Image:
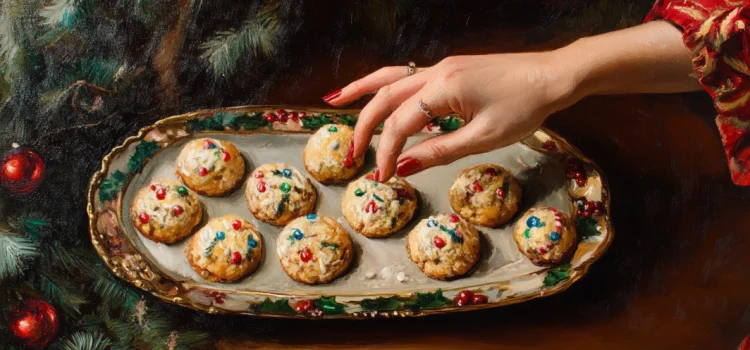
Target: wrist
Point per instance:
(570, 80)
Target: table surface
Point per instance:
(675, 277)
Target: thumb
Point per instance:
(471, 139)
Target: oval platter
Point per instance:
(382, 281)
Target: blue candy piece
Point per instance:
(211, 146)
(431, 223)
(220, 235)
(554, 236)
(252, 243)
(298, 234)
(533, 221)
(287, 173)
(312, 217)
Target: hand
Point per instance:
(502, 99)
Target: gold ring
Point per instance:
(411, 69)
(425, 109)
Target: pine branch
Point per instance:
(258, 36)
(62, 292)
(114, 295)
(189, 339)
(85, 341)
(122, 332)
(11, 58)
(15, 253)
(62, 13)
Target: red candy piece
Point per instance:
(236, 224)
(305, 255)
(439, 242)
(153, 187)
(207, 144)
(261, 186)
(258, 175)
(459, 301)
(500, 193)
(403, 193)
(490, 172)
(177, 211)
(236, 258)
(479, 299)
(225, 156)
(369, 176)
(466, 294)
(453, 218)
(371, 207)
(269, 117)
(143, 218)
(202, 171)
(476, 186)
(161, 193)
(303, 305)
(542, 250)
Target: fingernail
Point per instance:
(332, 95)
(349, 160)
(408, 166)
(377, 174)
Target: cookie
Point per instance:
(545, 235)
(327, 156)
(277, 193)
(444, 246)
(165, 211)
(226, 249)
(376, 209)
(485, 195)
(314, 249)
(210, 167)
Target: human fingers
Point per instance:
(369, 84)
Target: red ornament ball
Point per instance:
(34, 323)
(23, 170)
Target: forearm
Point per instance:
(649, 58)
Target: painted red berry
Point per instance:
(579, 212)
(269, 117)
(466, 294)
(143, 218)
(261, 186)
(258, 175)
(283, 118)
(479, 299)
(301, 115)
(281, 112)
(579, 175)
(476, 186)
(294, 116)
(586, 213)
(500, 193)
(459, 301)
(580, 182)
(305, 255)
(303, 305)
(202, 171)
(597, 205)
(587, 206)
(490, 172)
(597, 212)
(453, 218)
(236, 258)
(571, 175)
(236, 224)
(225, 156)
(177, 211)
(161, 193)
(573, 166)
(207, 144)
(439, 242)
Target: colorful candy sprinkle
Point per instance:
(202, 171)
(287, 173)
(207, 144)
(500, 193)
(476, 186)
(453, 218)
(490, 172)
(431, 223)
(252, 243)
(533, 221)
(236, 224)
(554, 236)
(285, 187)
(377, 197)
(161, 193)
(236, 258)
(182, 191)
(439, 242)
(258, 175)
(371, 207)
(305, 255)
(298, 235)
(143, 218)
(153, 187)
(359, 193)
(177, 211)
(220, 235)
(335, 146)
(225, 156)
(333, 129)
(312, 217)
(261, 186)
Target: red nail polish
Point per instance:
(349, 160)
(332, 95)
(377, 174)
(408, 166)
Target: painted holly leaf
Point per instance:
(251, 121)
(143, 151)
(330, 306)
(431, 300)
(381, 304)
(111, 185)
(586, 227)
(347, 119)
(315, 122)
(280, 306)
(204, 124)
(449, 124)
(556, 275)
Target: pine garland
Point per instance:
(17, 252)
(85, 341)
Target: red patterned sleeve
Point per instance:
(716, 35)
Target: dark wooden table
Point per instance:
(676, 277)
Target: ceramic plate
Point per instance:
(382, 281)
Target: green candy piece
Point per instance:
(359, 193)
(285, 187)
(333, 129)
(377, 198)
(182, 190)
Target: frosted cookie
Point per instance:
(444, 246)
(545, 235)
(485, 195)
(277, 193)
(226, 249)
(378, 209)
(165, 211)
(210, 167)
(314, 249)
(327, 156)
